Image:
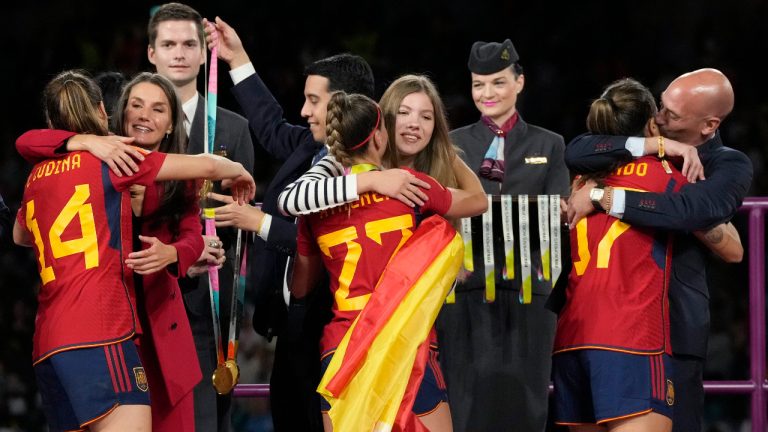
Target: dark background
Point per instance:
(569, 51)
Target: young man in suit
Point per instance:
(177, 50)
(296, 371)
(692, 108)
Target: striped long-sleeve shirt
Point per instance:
(324, 186)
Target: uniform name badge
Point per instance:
(490, 277)
(509, 238)
(554, 224)
(543, 208)
(525, 248)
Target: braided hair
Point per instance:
(349, 125)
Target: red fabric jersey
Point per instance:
(79, 221)
(167, 343)
(356, 241)
(617, 289)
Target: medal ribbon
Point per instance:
(554, 224)
(525, 248)
(509, 238)
(209, 213)
(490, 276)
(469, 263)
(543, 208)
(238, 296)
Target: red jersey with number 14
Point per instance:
(617, 288)
(79, 220)
(356, 241)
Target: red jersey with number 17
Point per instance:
(356, 241)
(617, 288)
(79, 220)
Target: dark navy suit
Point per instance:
(296, 370)
(698, 206)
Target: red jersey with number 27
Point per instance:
(79, 220)
(356, 241)
(617, 289)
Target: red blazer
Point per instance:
(169, 330)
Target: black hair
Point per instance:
(345, 72)
(111, 85)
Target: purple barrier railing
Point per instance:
(757, 385)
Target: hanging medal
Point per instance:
(227, 372)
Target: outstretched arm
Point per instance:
(209, 166)
(264, 113)
(116, 151)
(325, 186)
(594, 153)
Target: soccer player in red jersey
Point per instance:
(611, 363)
(78, 218)
(354, 242)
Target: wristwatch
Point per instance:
(596, 194)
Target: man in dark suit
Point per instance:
(177, 49)
(693, 107)
(296, 371)
(496, 356)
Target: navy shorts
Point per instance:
(80, 386)
(431, 391)
(599, 386)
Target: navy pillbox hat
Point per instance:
(486, 58)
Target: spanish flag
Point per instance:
(379, 364)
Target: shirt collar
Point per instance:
(189, 107)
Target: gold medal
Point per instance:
(225, 377)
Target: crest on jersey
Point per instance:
(141, 378)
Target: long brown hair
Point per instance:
(177, 195)
(437, 158)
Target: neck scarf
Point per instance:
(492, 166)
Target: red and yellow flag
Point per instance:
(377, 361)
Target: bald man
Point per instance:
(692, 108)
